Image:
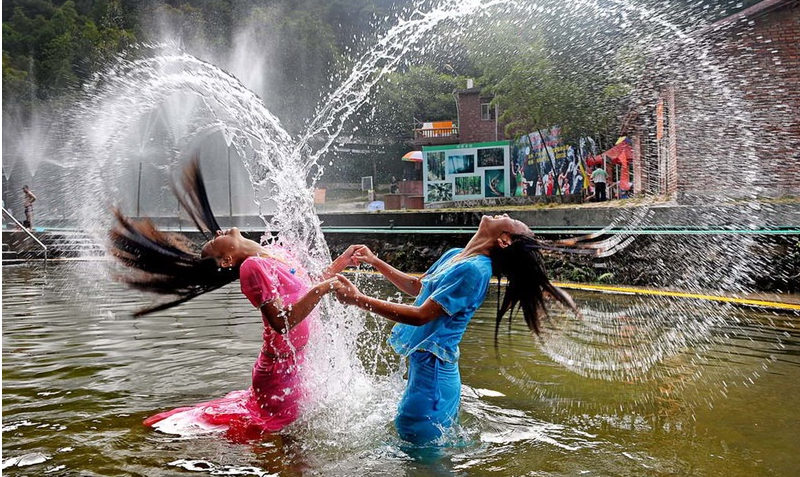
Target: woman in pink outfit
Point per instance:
(270, 277)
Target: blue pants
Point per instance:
(430, 403)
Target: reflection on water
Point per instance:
(642, 395)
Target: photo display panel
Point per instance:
(466, 171)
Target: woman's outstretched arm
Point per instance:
(404, 282)
(347, 293)
(283, 318)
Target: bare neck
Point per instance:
(249, 249)
(479, 244)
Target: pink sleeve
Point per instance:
(259, 281)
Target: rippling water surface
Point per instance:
(79, 375)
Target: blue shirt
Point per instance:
(459, 288)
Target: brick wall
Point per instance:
(773, 90)
(735, 120)
(472, 128)
(738, 116)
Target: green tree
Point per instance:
(538, 85)
(15, 82)
(49, 50)
(404, 98)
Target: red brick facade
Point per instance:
(731, 109)
(473, 127)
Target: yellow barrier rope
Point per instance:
(699, 296)
(646, 291)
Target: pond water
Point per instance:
(79, 376)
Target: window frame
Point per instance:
(488, 109)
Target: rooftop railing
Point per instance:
(435, 133)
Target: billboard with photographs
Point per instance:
(466, 171)
(542, 164)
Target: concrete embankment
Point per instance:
(719, 247)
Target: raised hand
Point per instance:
(343, 261)
(363, 254)
(346, 292)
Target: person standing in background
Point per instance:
(27, 203)
(599, 178)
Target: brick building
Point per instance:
(719, 110)
(477, 122)
(478, 118)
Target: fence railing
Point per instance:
(435, 132)
(22, 227)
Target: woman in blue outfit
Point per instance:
(428, 332)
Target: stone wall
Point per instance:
(725, 248)
(699, 263)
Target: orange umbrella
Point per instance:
(413, 156)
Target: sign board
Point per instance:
(366, 183)
(466, 171)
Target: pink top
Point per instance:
(266, 279)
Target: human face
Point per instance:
(224, 246)
(503, 224)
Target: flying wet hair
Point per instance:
(522, 265)
(169, 263)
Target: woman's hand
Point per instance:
(330, 285)
(343, 261)
(346, 292)
(347, 255)
(363, 254)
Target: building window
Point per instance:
(486, 112)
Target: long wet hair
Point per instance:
(169, 263)
(522, 265)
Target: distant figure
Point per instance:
(599, 178)
(27, 203)
(518, 180)
(625, 190)
(393, 185)
(549, 181)
(563, 181)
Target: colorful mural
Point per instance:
(536, 164)
(542, 164)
